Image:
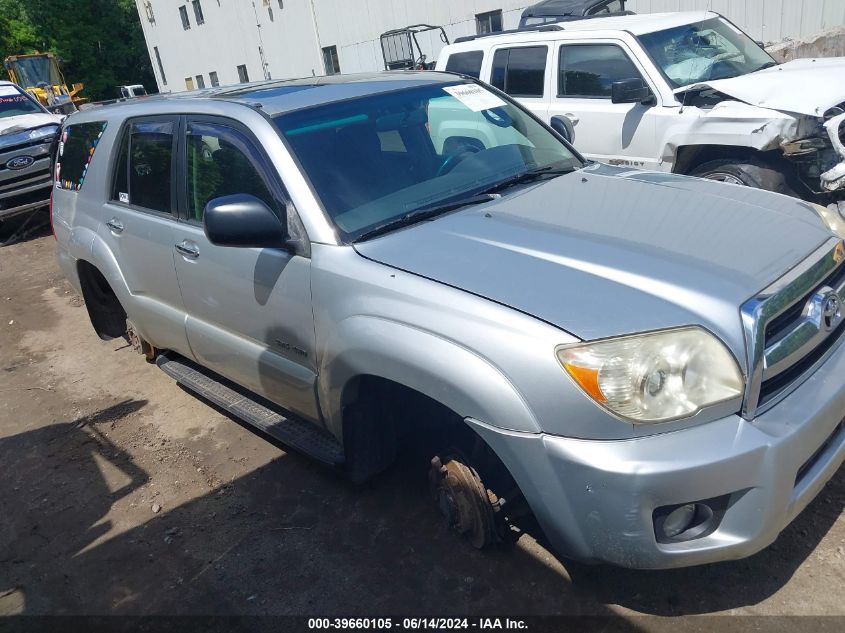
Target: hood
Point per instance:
(604, 252)
(803, 86)
(12, 124)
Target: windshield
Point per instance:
(704, 51)
(381, 157)
(32, 71)
(13, 102)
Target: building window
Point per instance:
(331, 61)
(212, 76)
(183, 13)
(200, 18)
(200, 82)
(490, 22)
(243, 75)
(160, 67)
(189, 83)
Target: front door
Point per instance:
(615, 133)
(249, 309)
(139, 223)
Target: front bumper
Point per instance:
(595, 499)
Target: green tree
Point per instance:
(100, 41)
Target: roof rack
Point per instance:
(540, 29)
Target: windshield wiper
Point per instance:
(529, 176)
(766, 65)
(424, 213)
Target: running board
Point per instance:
(253, 409)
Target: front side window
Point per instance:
(75, 152)
(143, 168)
(490, 22)
(373, 159)
(521, 72)
(610, 7)
(331, 60)
(183, 14)
(589, 70)
(222, 162)
(468, 63)
(704, 51)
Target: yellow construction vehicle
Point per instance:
(39, 74)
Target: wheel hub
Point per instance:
(466, 504)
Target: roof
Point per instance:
(635, 24)
(279, 96)
(560, 7)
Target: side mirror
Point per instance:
(563, 126)
(631, 91)
(243, 220)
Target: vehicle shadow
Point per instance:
(292, 537)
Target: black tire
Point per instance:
(747, 172)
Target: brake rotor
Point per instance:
(463, 500)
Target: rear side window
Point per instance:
(588, 70)
(143, 168)
(468, 63)
(76, 149)
(520, 71)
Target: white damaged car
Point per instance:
(688, 93)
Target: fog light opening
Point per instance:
(684, 522)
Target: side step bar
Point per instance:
(253, 409)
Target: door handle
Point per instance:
(572, 118)
(115, 225)
(188, 249)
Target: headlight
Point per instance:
(832, 219)
(657, 377)
(43, 132)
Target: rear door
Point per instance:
(523, 71)
(139, 220)
(249, 309)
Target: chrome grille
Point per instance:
(793, 326)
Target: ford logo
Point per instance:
(20, 162)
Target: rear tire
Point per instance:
(746, 172)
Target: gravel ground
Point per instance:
(124, 494)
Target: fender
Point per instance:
(440, 368)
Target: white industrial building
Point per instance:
(199, 43)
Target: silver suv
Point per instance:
(648, 363)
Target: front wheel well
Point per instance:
(104, 309)
(689, 157)
(382, 418)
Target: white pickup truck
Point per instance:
(687, 93)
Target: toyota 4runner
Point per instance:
(650, 364)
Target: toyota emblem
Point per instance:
(831, 312)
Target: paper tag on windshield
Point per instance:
(475, 97)
(9, 91)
